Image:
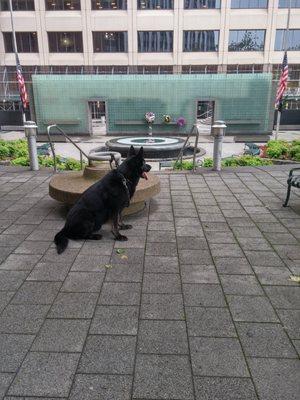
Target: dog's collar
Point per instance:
(124, 182)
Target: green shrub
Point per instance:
(72, 165)
(277, 149)
(4, 151)
(21, 161)
(246, 160)
(188, 165)
(207, 162)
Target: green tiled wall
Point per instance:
(244, 101)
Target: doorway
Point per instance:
(205, 116)
(97, 110)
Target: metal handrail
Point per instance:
(49, 127)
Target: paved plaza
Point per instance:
(197, 305)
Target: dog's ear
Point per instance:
(141, 153)
(131, 151)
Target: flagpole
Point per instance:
(15, 49)
(285, 49)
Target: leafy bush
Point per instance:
(13, 148)
(246, 160)
(207, 162)
(4, 151)
(188, 165)
(21, 161)
(277, 148)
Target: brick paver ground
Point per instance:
(198, 307)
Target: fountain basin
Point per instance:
(154, 147)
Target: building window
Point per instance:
(249, 3)
(155, 41)
(244, 69)
(155, 4)
(17, 5)
(58, 5)
(65, 42)
(202, 4)
(26, 42)
(200, 40)
(109, 4)
(110, 42)
(286, 4)
(199, 69)
(249, 40)
(293, 39)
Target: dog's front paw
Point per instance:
(121, 238)
(125, 227)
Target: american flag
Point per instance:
(282, 85)
(21, 85)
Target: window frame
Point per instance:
(249, 8)
(57, 40)
(216, 31)
(155, 51)
(218, 7)
(125, 44)
(15, 2)
(296, 2)
(62, 9)
(18, 40)
(109, 9)
(154, 8)
(246, 30)
(284, 32)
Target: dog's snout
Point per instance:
(147, 167)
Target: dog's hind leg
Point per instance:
(121, 224)
(115, 228)
(94, 236)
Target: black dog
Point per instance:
(104, 201)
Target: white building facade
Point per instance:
(174, 34)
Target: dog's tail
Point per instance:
(61, 241)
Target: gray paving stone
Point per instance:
(19, 262)
(274, 276)
(6, 240)
(251, 308)
(108, 387)
(195, 257)
(297, 345)
(291, 252)
(291, 322)
(161, 216)
(281, 238)
(162, 306)
(187, 222)
(165, 265)
(108, 355)
(83, 282)
(187, 231)
(217, 357)
(115, 320)
(73, 305)
(272, 228)
(97, 248)
(45, 374)
(120, 293)
(161, 249)
(161, 283)
(90, 263)
(22, 318)
(124, 273)
(29, 247)
(36, 293)
(67, 257)
(191, 243)
(240, 284)
(11, 280)
(224, 388)
(13, 349)
(48, 272)
(137, 242)
(5, 380)
(264, 258)
(209, 322)
(220, 237)
(276, 379)
(225, 250)
(284, 297)
(163, 377)
(199, 274)
(265, 340)
(162, 337)
(216, 227)
(5, 251)
(203, 295)
(5, 298)
(257, 244)
(59, 335)
(165, 237)
(246, 232)
(232, 266)
(160, 226)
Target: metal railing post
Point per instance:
(218, 132)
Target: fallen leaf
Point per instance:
(295, 278)
(124, 257)
(108, 266)
(120, 251)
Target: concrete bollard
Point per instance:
(30, 129)
(218, 132)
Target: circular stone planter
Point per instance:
(67, 187)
